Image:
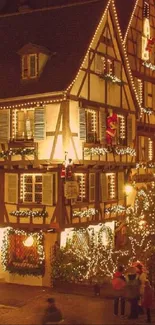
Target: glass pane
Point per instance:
(38, 179)
(20, 134)
(38, 187)
(28, 179)
(38, 197)
(28, 188)
(28, 197)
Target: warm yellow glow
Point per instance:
(28, 242)
(128, 189)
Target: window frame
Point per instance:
(26, 66)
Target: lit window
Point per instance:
(145, 37)
(23, 124)
(29, 66)
(91, 125)
(81, 178)
(31, 188)
(111, 186)
(121, 130)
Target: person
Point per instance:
(52, 313)
(132, 291)
(118, 284)
(147, 299)
(142, 278)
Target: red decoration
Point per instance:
(111, 128)
(150, 43)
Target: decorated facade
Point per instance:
(71, 127)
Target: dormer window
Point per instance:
(33, 60)
(29, 66)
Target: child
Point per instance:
(147, 299)
(52, 313)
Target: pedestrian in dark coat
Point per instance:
(147, 299)
(118, 284)
(133, 291)
(52, 313)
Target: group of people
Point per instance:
(132, 286)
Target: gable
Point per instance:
(105, 76)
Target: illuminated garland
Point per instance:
(103, 151)
(29, 213)
(115, 209)
(24, 269)
(149, 65)
(111, 77)
(86, 213)
(147, 110)
(145, 165)
(19, 151)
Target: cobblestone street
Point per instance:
(26, 305)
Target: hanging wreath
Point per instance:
(22, 258)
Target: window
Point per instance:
(146, 10)
(92, 124)
(145, 37)
(81, 178)
(31, 188)
(23, 127)
(28, 124)
(29, 66)
(121, 130)
(108, 186)
(38, 188)
(107, 66)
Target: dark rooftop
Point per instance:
(124, 10)
(65, 31)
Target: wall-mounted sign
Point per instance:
(71, 189)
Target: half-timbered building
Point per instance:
(138, 28)
(68, 110)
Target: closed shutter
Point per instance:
(39, 124)
(153, 97)
(82, 124)
(120, 185)
(4, 125)
(129, 131)
(47, 189)
(91, 187)
(103, 187)
(102, 126)
(98, 64)
(117, 69)
(146, 149)
(11, 188)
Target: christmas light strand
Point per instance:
(29, 213)
(19, 151)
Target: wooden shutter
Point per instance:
(117, 69)
(92, 187)
(11, 188)
(146, 149)
(102, 126)
(47, 189)
(39, 124)
(153, 97)
(129, 131)
(82, 124)
(98, 63)
(121, 185)
(4, 125)
(103, 187)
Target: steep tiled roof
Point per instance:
(65, 31)
(124, 10)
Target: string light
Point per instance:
(29, 213)
(86, 213)
(18, 151)
(106, 150)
